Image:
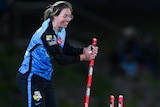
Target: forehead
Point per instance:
(66, 11)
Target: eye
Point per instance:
(68, 16)
(65, 16)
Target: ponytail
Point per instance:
(56, 8)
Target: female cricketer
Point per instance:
(48, 44)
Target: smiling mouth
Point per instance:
(65, 24)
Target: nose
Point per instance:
(70, 17)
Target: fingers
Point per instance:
(92, 56)
(94, 50)
(87, 48)
(90, 52)
(91, 48)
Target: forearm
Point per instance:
(71, 50)
(62, 58)
(57, 53)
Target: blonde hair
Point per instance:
(56, 8)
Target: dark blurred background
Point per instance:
(127, 63)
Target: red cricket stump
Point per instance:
(112, 101)
(89, 79)
(120, 101)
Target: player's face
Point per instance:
(64, 18)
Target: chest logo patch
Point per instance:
(51, 40)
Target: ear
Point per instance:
(54, 17)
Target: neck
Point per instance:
(55, 26)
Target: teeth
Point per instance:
(65, 23)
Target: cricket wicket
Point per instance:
(89, 79)
(120, 101)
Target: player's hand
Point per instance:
(90, 52)
(87, 48)
(94, 50)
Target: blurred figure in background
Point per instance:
(126, 54)
(125, 62)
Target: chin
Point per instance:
(64, 26)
